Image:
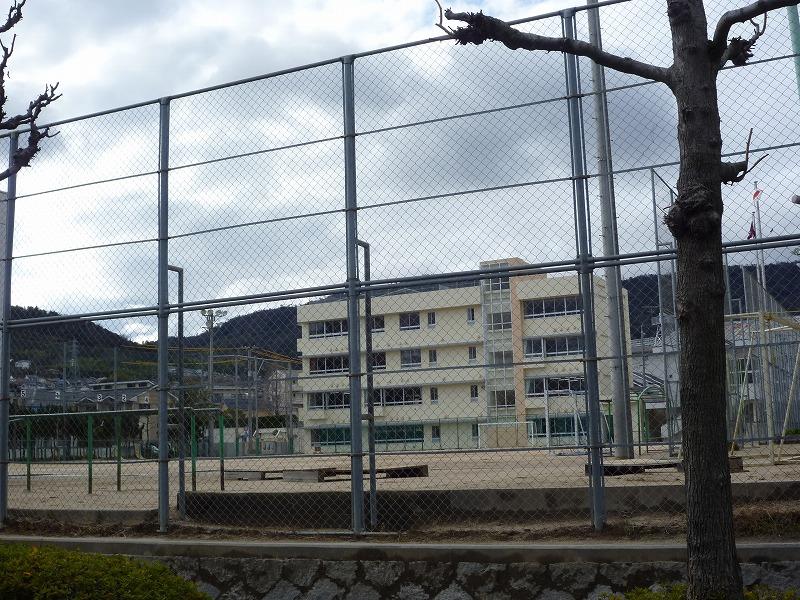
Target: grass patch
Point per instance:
(34, 573)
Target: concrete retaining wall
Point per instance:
(362, 571)
(413, 509)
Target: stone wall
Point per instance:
(372, 570)
(315, 579)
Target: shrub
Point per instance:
(678, 592)
(33, 573)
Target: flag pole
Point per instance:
(764, 336)
(762, 273)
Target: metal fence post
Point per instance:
(5, 342)
(353, 319)
(221, 429)
(373, 493)
(193, 434)
(181, 400)
(585, 273)
(163, 316)
(118, 443)
(90, 447)
(623, 431)
(236, 406)
(28, 452)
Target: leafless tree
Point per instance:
(24, 154)
(695, 221)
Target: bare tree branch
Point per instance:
(14, 16)
(736, 172)
(7, 52)
(23, 156)
(482, 27)
(440, 24)
(719, 45)
(34, 109)
(740, 50)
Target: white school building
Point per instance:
(495, 363)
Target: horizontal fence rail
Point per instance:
(421, 288)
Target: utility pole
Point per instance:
(211, 315)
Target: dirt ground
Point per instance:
(65, 485)
(765, 521)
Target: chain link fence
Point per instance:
(426, 287)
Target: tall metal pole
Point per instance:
(210, 325)
(354, 333)
(673, 269)
(623, 430)
(789, 400)
(255, 396)
(250, 396)
(74, 360)
(5, 342)
(664, 358)
(64, 377)
(764, 337)
(290, 416)
(64, 403)
(211, 316)
(734, 368)
(373, 499)
(181, 403)
(762, 274)
(794, 33)
(163, 317)
(116, 393)
(236, 404)
(585, 274)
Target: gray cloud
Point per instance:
(511, 147)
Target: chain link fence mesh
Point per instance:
(473, 357)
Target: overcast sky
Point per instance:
(107, 53)
(114, 52)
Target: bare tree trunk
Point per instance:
(695, 221)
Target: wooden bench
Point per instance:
(615, 469)
(250, 475)
(317, 475)
(320, 475)
(401, 472)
